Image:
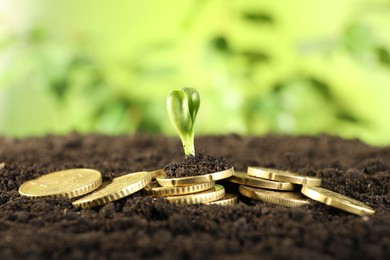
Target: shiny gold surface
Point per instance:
(153, 189)
(228, 200)
(216, 193)
(245, 179)
(288, 199)
(116, 189)
(337, 200)
(185, 181)
(285, 176)
(68, 183)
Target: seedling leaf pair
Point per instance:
(183, 105)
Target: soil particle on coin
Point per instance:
(138, 227)
(196, 165)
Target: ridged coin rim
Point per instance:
(159, 191)
(216, 193)
(229, 199)
(112, 190)
(184, 181)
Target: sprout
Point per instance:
(183, 105)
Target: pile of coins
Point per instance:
(280, 187)
(77, 182)
(193, 189)
(268, 185)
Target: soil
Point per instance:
(196, 165)
(142, 227)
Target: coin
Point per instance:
(280, 175)
(283, 198)
(184, 181)
(337, 200)
(153, 189)
(216, 193)
(116, 189)
(228, 200)
(245, 179)
(157, 173)
(68, 183)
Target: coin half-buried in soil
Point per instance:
(153, 189)
(283, 198)
(286, 176)
(67, 183)
(228, 200)
(185, 181)
(337, 200)
(118, 188)
(244, 179)
(216, 193)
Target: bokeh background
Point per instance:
(288, 67)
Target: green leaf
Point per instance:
(178, 111)
(193, 101)
(183, 105)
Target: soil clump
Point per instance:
(199, 164)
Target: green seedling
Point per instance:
(183, 105)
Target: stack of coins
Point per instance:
(280, 187)
(73, 183)
(268, 185)
(265, 189)
(193, 189)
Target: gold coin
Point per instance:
(116, 189)
(157, 173)
(283, 198)
(228, 200)
(337, 200)
(185, 181)
(153, 189)
(68, 183)
(280, 175)
(216, 193)
(245, 179)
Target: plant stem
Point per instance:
(188, 145)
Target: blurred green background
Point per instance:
(289, 67)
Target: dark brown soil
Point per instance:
(142, 227)
(196, 165)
